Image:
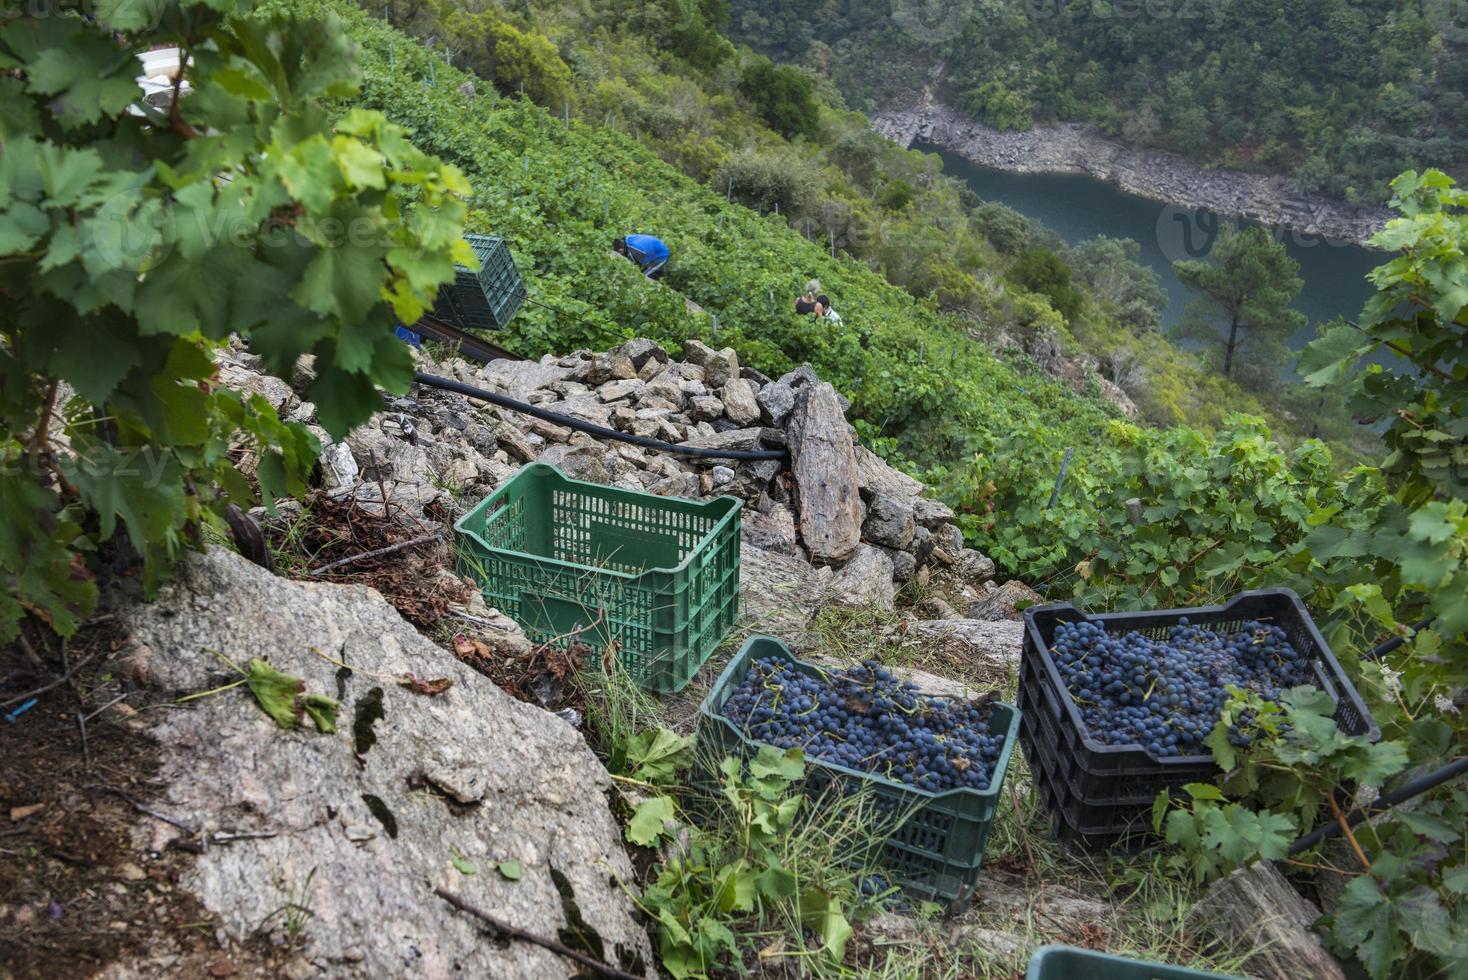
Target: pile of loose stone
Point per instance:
(833, 505)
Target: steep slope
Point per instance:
(917, 381)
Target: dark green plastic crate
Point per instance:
(487, 299)
(1069, 963)
(937, 852)
(658, 576)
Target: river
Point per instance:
(1078, 207)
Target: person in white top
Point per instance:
(823, 309)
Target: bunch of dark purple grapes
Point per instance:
(867, 719)
(1166, 693)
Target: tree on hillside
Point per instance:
(1110, 268)
(784, 97)
(1042, 271)
(1248, 280)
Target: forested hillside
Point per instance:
(779, 140)
(1341, 94)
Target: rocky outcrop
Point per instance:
(410, 792)
(1165, 177)
(434, 453)
(1009, 601)
(823, 464)
(1257, 910)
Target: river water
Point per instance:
(1078, 207)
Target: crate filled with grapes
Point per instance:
(1117, 706)
(937, 762)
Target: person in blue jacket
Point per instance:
(648, 251)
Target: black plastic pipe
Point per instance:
(1385, 802)
(1381, 650)
(591, 428)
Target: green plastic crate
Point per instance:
(659, 576)
(936, 854)
(487, 299)
(1069, 963)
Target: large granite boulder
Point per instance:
(412, 791)
(823, 463)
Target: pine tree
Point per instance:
(1246, 283)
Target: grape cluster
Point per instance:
(1165, 694)
(866, 719)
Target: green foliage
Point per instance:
(1109, 267)
(784, 97)
(1250, 281)
(136, 240)
(770, 180)
(1339, 94)
(996, 105)
(1042, 271)
(657, 755)
(514, 59)
(743, 868)
(1401, 904)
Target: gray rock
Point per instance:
(750, 374)
(705, 407)
(775, 402)
(823, 464)
(242, 373)
(1255, 908)
(568, 388)
(696, 352)
(1002, 602)
(878, 479)
(904, 565)
(865, 580)
(519, 378)
(773, 531)
(721, 368)
(641, 350)
(980, 642)
(741, 401)
(935, 607)
(338, 466)
(949, 538)
(730, 439)
(614, 391)
(666, 387)
(383, 457)
(780, 593)
(580, 462)
(889, 522)
(588, 408)
(367, 870)
(975, 566)
(722, 476)
(931, 513)
(605, 367)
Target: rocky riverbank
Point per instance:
(1166, 177)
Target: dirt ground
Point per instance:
(75, 893)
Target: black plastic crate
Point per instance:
(1109, 789)
(487, 299)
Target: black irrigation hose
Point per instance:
(1383, 803)
(1385, 648)
(1401, 794)
(591, 428)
